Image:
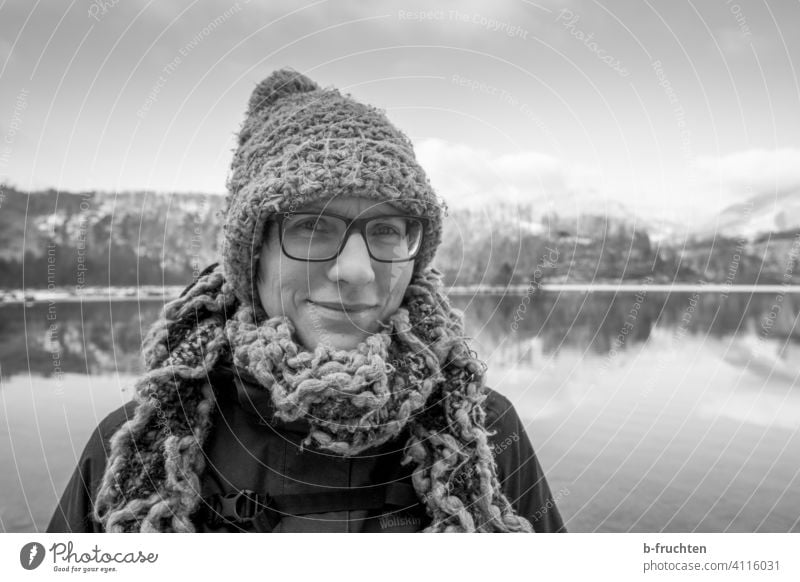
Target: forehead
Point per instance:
(352, 206)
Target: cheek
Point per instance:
(270, 274)
(263, 285)
(283, 283)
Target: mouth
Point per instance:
(345, 308)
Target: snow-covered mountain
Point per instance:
(761, 214)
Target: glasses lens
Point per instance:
(394, 238)
(312, 236)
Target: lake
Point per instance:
(650, 411)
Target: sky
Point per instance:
(673, 109)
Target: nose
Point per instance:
(353, 265)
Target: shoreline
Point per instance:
(90, 294)
(170, 292)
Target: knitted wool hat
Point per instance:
(300, 143)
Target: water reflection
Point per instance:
(106, 337)
(90, 338)
(594, 320)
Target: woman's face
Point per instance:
(338, 302)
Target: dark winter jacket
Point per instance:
(258, 479)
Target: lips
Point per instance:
(351, 308)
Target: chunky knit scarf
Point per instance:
(418, 372)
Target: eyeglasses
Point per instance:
(317, 237)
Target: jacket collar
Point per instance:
(255, 400)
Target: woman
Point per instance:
(318, 379)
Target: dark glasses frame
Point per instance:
(353, 224)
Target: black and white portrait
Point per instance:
(525, 267)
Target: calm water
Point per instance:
(688, 421)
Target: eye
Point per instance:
(310, 225)
(386, 229)
(394, 227)
(307, 224)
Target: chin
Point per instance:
(342, 342)
(338, 341)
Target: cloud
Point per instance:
(467, 176)
(733, 43)
(472, 177)
(744, 174)
(5, 50)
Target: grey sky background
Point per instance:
(674, 109)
